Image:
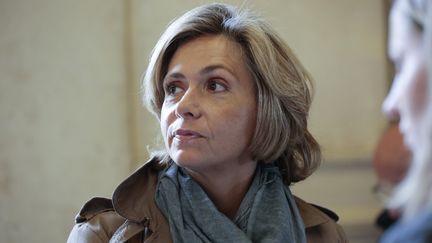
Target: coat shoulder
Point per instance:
(327, 211)
(97, 221)
(92, 207)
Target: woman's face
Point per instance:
(209, 112)
(407, 97)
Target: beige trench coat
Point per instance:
(132, 216)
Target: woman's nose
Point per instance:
(189, 105)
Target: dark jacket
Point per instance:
(133, 216)
(416, 230)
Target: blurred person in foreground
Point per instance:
(232, 101)
(391, 162)
(410, 101)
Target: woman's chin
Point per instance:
(187, 160)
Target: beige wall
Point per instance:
(73, 126)
(63, 113)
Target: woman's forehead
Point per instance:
(215, 50)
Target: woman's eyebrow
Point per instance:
(211, 68)
(205, 71)
(175, 75)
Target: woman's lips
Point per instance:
(184, 134)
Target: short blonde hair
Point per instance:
(283, 85)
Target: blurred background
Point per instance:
(72, 124)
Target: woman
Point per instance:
(232, 101)
(410, 100)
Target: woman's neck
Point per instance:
(226, 187)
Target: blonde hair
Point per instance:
(283, 85)
(414, 194)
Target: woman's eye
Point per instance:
(215, 86)
(172, 89)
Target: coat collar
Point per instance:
(134, 199)
(311, 215)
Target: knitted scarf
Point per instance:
(268, 212)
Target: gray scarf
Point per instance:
(268, 212)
